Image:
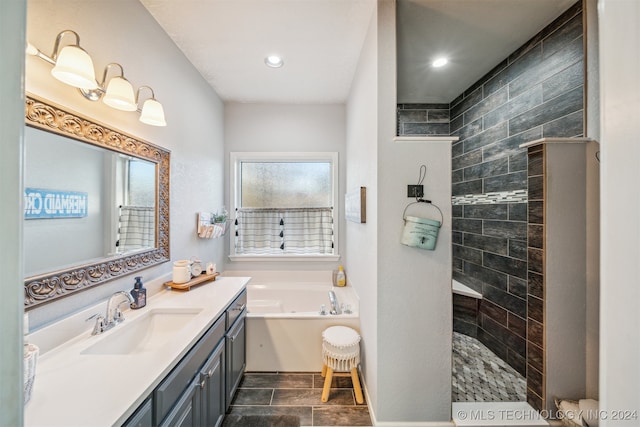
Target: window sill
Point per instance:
(283, 258)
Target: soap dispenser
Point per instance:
(341, 278)
(139, 294)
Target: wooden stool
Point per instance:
(340, 356)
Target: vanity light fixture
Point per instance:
(274, 61)
(73, 65)
(152, 112)
(118, 94)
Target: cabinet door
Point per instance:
(143, 417)
(236, 360)
(212, 383)
(172, 387)
(187, 412)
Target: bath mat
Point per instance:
(261, 421)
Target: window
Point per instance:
(283, 205)
(136, 214)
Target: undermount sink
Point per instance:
(148, 332)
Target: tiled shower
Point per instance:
(537, 92)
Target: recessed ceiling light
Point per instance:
(273, 61)
(439, 62)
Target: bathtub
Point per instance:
(284, 325)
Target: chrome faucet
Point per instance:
(113, 315)
(335, 307)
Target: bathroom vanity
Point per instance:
(183, 369)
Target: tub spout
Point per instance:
(335, 307)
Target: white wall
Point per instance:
(125, 32)
(620, 208)
(12, 16)
(362, 171)
(414, 302)
(281, 128)
(593, 201)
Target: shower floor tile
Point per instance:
(479, 375)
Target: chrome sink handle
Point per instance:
(99, 326)
(117, 313)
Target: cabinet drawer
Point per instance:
(170, 389)
(236, 308)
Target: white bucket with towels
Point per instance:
(419, 232)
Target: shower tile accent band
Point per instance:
(515, 196)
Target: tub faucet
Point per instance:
(335, 307)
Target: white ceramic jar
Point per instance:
(181, 271)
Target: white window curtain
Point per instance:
(137, 228)
(268, 231)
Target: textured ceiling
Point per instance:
(227, 41)
(321, 40)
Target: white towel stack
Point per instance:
(30, 358)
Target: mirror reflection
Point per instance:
(83, 203)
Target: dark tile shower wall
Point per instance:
(465, 315)
(423, 119)
(538, 91)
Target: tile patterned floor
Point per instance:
(299, 394)
(481, 376)
(478, 375)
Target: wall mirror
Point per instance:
(96, 203)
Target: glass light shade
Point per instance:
(75, 67)
(152, 113)
(120, 95)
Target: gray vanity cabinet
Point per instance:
(143, 417)
(202, 404)
(199, 390)
(181, 379)
(212, 387)
(187, 412)
(235, 346)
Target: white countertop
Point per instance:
(72, 389)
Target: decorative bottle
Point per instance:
(139, 294)
(341, 278)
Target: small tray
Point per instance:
(203, 278)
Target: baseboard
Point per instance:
(377, 423)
